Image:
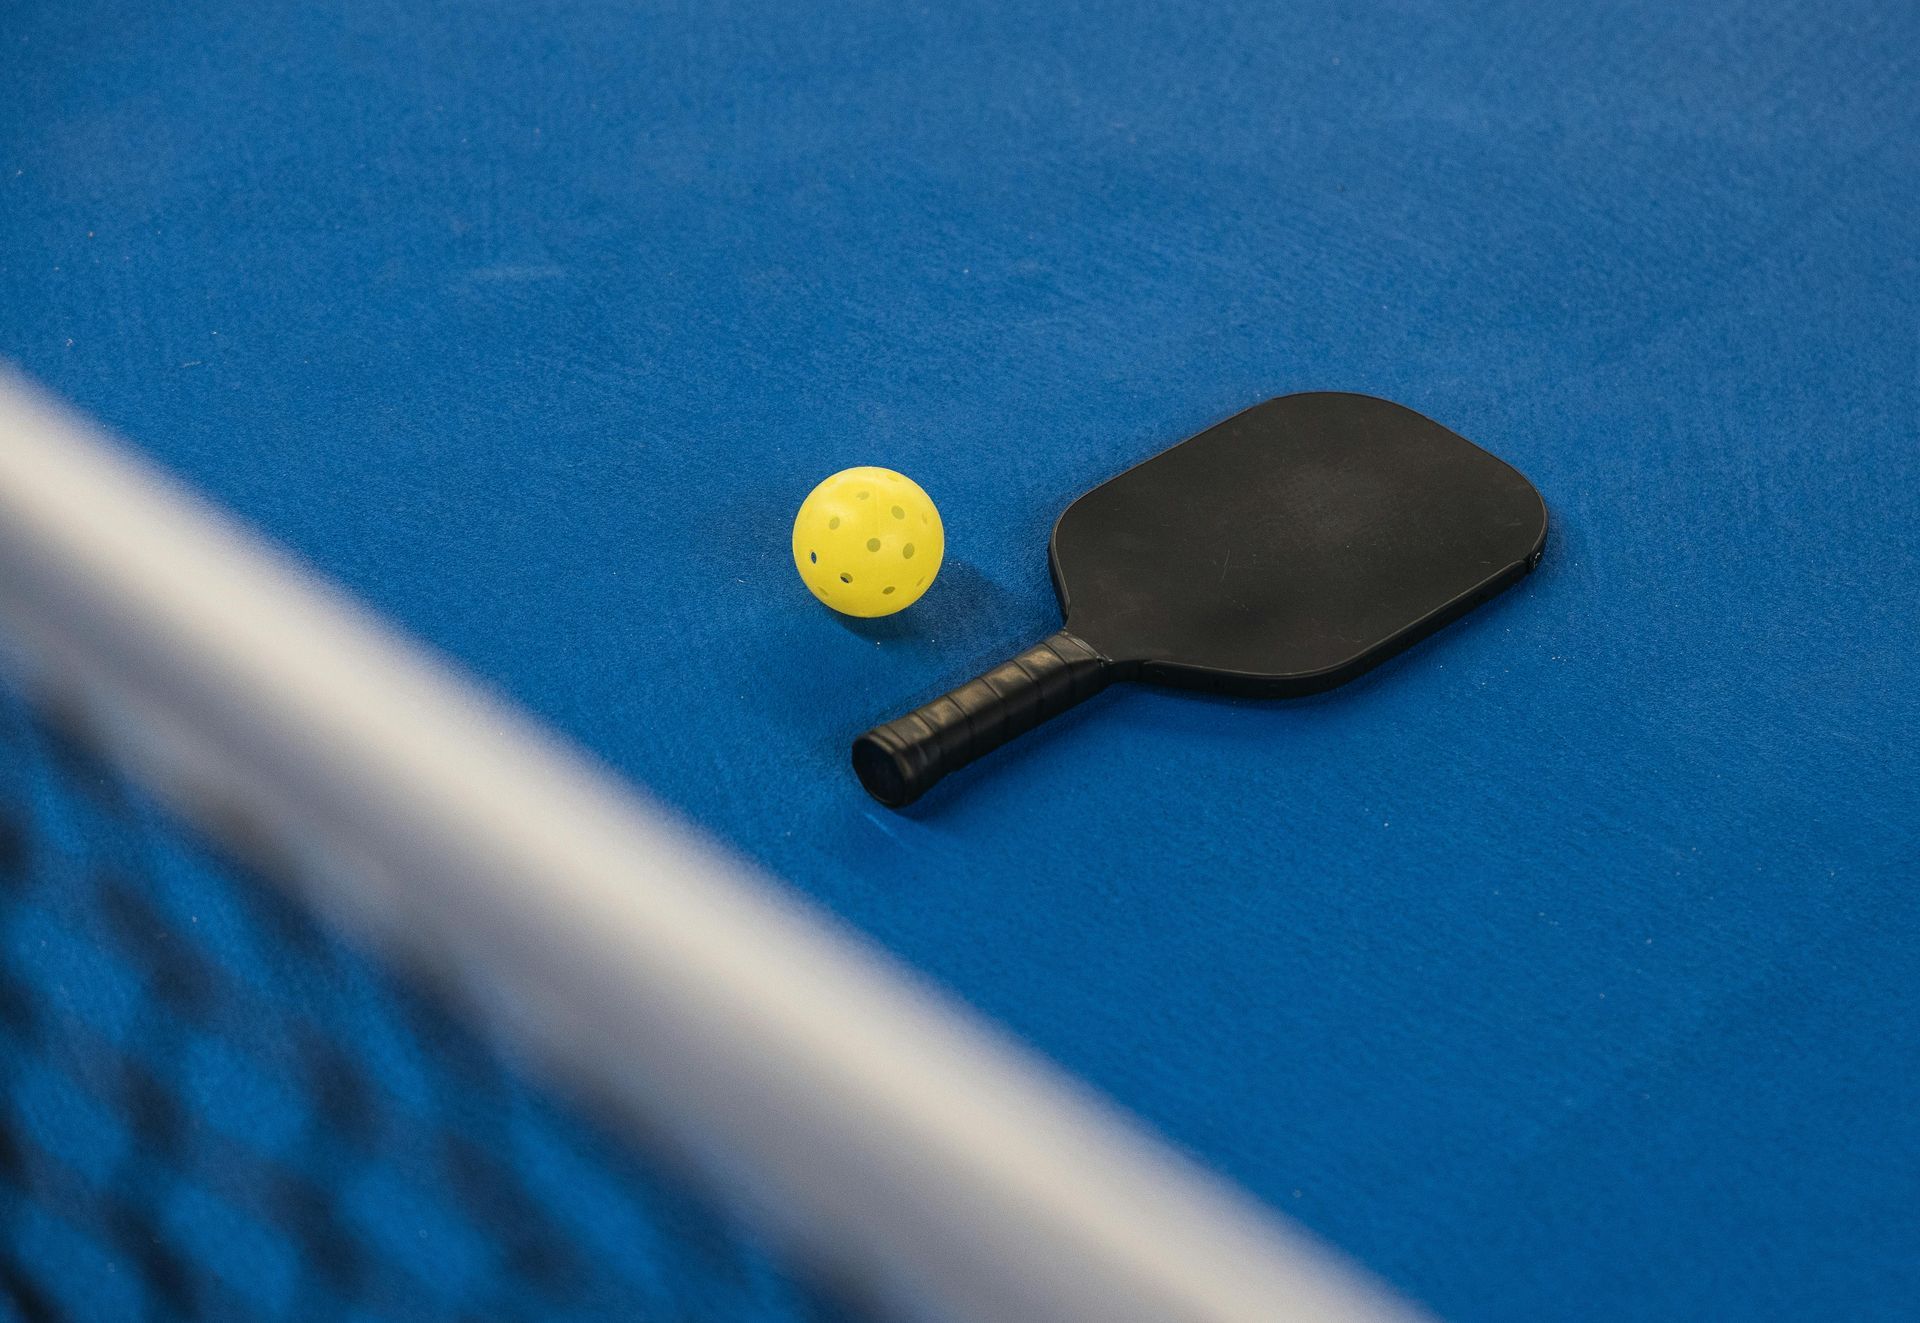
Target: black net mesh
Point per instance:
(214, 1110)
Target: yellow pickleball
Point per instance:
(868, 541)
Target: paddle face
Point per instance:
(1293, 546)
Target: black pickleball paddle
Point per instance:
(1281, 552)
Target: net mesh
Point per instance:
(213, 1109)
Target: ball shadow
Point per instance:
(962, 602)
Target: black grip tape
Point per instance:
(899, 761)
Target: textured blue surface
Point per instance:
(1566, 966)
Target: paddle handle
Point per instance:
(899, 761)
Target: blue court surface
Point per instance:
(1564, 967)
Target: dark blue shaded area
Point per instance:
(1564, 967)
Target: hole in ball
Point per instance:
(865, 495)
(898, 513)
(873, 544)
(907, 551)
(813, 557)
(846, 578)
(834, 522)
(887, 591)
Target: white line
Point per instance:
(877, 1129)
